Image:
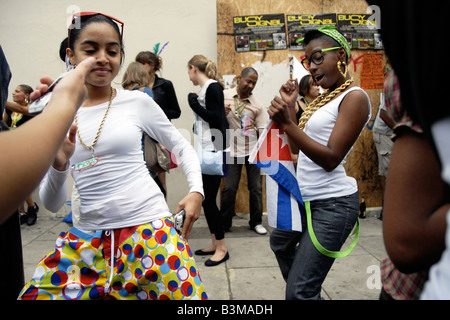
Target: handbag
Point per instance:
(156, 158)
(173, 160)
(211, 161)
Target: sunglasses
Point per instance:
(74, 25)
(317, 57)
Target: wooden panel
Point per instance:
(362, 162)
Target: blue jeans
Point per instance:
(303, 267)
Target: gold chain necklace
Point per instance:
(320, 101)
(94, 160)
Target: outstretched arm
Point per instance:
(39, 139)
(17, 108)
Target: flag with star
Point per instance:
(284, 201)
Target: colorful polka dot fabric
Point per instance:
(152, 261)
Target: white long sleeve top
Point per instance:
(118, 191)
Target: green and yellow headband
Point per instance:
(332, 32)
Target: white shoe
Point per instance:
(259, 229)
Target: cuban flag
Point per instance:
(284, 200)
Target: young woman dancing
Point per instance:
(124, 245)
(323, 137)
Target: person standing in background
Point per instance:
(163, 89)
(16, 114)
(308, 91)
(208, 105)
(163, 94)
(241, 103)
(136, 77)
(382, 133)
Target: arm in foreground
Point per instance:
(40, 139)
(415, 205)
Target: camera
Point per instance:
(179, 220)
(39, 104)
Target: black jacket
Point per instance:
(214, 113)
(164, 95)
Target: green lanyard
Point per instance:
(239, 107)
(328, 253)
(306, 102)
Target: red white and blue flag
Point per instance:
(284, 200)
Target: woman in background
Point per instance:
(136, 77)
(209, 107)
(16, 114)
(163, 94)
(308, 91)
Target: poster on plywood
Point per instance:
(260, 32)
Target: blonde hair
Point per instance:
(208, 67)
(136, 76)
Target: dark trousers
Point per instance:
(231, 186)
(211, 185)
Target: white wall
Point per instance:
(31, 33)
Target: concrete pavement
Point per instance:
(252, 271)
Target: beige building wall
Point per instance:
(31, 33)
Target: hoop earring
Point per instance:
(344, 74)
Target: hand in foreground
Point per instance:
(289, 91)
(69, 87)
(192, 204)
(66, 150)
(278, 110)
(39, 138)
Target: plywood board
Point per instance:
(272, 66)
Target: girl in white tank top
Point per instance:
(323, 137)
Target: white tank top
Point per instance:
(316, 183)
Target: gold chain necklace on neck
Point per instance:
(94, 160)
(320, 101)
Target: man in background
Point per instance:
(246, 117)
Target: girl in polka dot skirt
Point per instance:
(123, 244)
